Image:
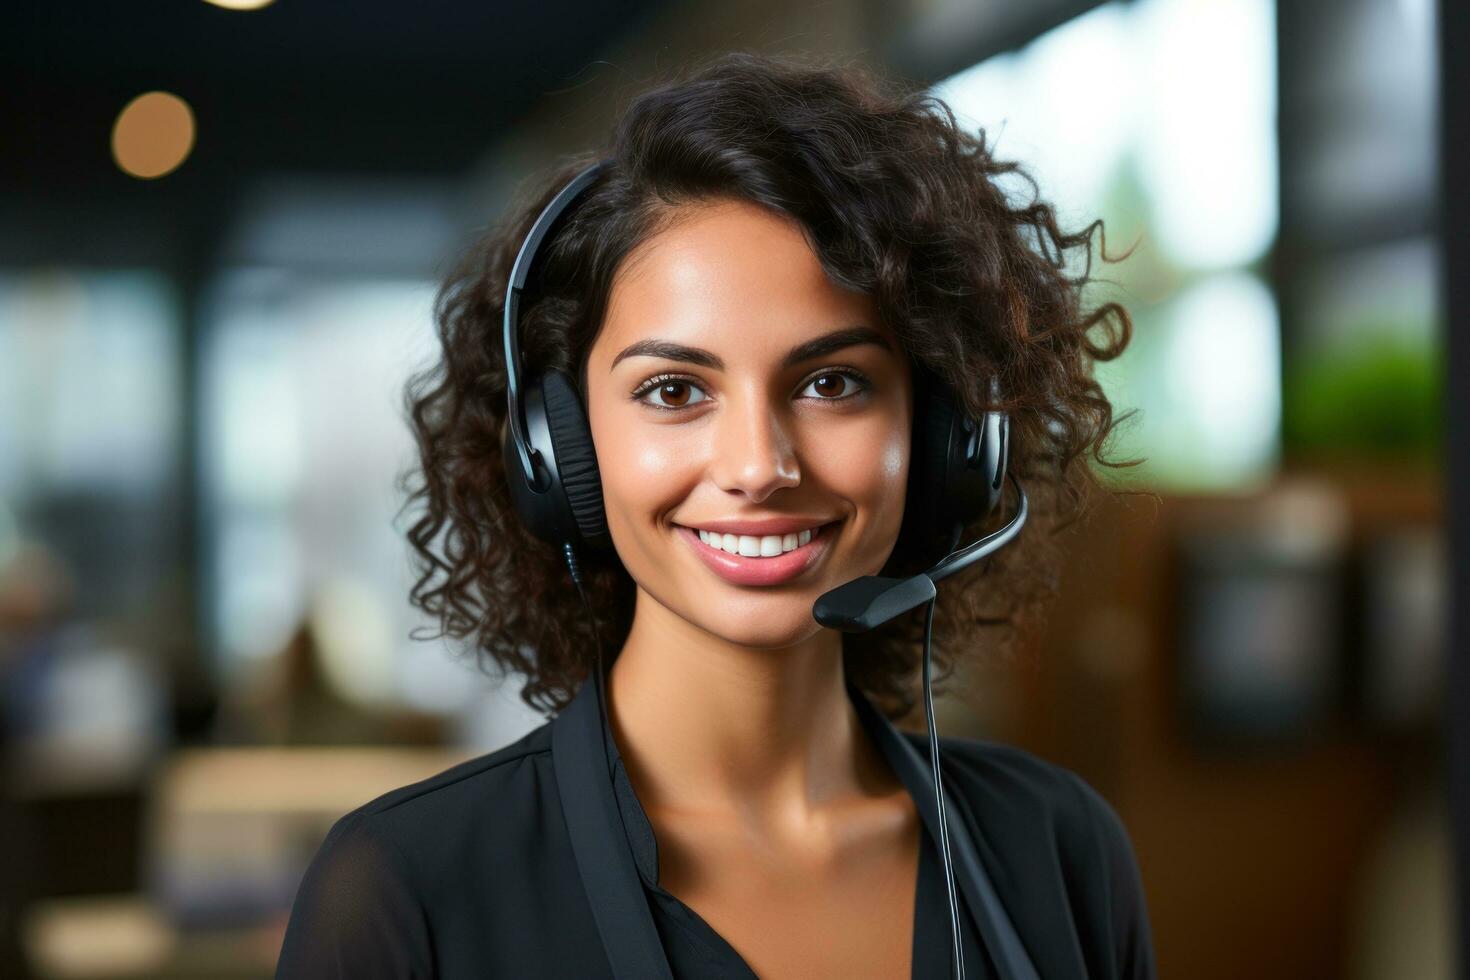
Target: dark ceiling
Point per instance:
(349, 87)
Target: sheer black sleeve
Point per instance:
(1127, 907)
(356, 914)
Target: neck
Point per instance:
(705, 725)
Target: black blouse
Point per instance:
(480, 872)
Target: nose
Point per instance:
(753, 451)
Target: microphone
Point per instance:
(868, 602)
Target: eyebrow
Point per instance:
(817, 347)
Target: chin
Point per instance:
(763, 627)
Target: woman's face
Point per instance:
(706, 414)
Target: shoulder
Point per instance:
(1045, 796)
(456, 785)
(366, 903)
(1034, 814)
(475, 803)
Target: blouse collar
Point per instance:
(615, 848)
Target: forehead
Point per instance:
(729, 275)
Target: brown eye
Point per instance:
(667, 393)
(830, 385)
(839, 386)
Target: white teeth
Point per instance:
(753, 546)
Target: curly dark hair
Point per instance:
(900, 202)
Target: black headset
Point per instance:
(956, 473)
(956, 468)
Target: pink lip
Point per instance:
(740, 570)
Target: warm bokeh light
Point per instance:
(153, 135)
(241, 4)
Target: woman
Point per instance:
(777, 263)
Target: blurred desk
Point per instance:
(232, 830)
(316, 781)
(128, 937)
(229, 833)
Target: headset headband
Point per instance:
(515, 411)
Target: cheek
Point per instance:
(642, 477)
(868, 466)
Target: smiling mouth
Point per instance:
(755, 570)
(758, 546)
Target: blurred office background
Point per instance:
(219, 242)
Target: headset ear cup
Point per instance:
(576, 457)
(976, 466)
(941, 429)
(923, 520)
(542, 512)
(955, 469)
